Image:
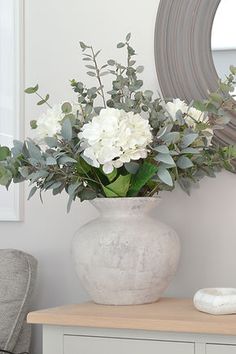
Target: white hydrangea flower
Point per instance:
(49, 123)
(114, 138)
(173, 107)
(191, 115)
(194, 116)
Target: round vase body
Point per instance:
(125, 256)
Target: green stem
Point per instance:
(43, 100)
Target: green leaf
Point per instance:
(51, 141)
(184, 162)
(128, 36)
(66, 159)
(4, 153)
(82, 166)
(83, 46)
(37, 175)
(162, 149)
(51, 161)
(120, 45)
(73, 188)
(92, 67)
(33, 124)
(24, 171)
(200, 106)
(139, 69)
(165, 158)
(119, 187)
(66, 108)
(54, 185)
(66, 130)
(111, 62)
(216, 97)
(44, 100)
(91, 73)
(5, 176)
(185, 184)
(165, 176)
(188, 139)
(18, 148)
(31, 90)
(190, 150)
(34, 151)
(111, 176)
(146, 171)
(132, 167)
(32, 192)
(87, 194)
(171, 138)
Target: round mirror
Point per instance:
(223, 40)
(190, 55)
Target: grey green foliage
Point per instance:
(178, 152)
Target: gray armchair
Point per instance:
(17, 279)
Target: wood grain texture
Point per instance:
(169, 315)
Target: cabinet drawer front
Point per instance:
(220, 349)
(101, 345)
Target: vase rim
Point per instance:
(155, 198)
(130, 204)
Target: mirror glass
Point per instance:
(224, 37)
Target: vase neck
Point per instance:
(132, 207)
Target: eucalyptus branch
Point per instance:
(98, 77)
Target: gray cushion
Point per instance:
(17, 278)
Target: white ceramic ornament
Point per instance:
(216, 301)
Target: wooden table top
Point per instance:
(168, 314)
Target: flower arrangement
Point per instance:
(120, 143)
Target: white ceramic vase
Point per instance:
(125, 256)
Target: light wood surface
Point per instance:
(169, 315)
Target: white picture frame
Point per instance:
(11, 202)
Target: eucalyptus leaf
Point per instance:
(120, 45)
(184, 162)
(66, 107)
(4, 152)
(5, 176)
(188, 139)
(91, 73)
(162, 149)
(32, 192)
(73, 188)
(128, 36)
(51, 141)
(66, 130)
(66, 159)
(31, 90)
(34, 151)
(51, 161)
(132, 167)
(165, 176)
(171, 138)
(166, 158)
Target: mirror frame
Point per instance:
(183, 54)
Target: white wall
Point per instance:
(205, 222)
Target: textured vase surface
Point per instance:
(125, 256)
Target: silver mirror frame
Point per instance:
(183, 54)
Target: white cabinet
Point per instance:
(99, 345)
(220, 349)
(170, 326)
